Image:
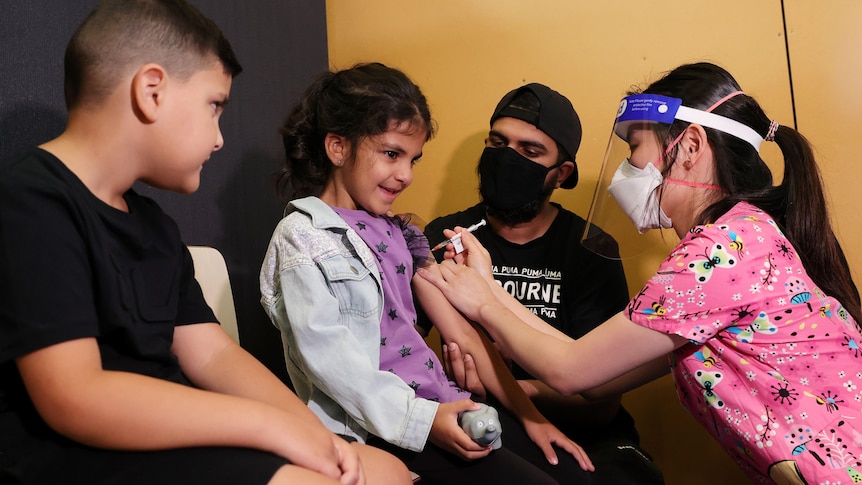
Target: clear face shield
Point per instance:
(633, 185)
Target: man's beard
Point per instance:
(524, 213)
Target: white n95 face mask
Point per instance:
(634, 189)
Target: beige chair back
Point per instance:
(211, 273)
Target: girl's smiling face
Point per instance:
(381, 168)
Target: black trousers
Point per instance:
(78, 465)
(519, 461)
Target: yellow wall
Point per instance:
(827, 68)
(466, 54)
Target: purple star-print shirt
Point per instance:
(403, 351)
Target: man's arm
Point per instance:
(565, 411)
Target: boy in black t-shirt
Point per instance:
(112, 367)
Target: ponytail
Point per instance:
(306, 167)
(800, 205)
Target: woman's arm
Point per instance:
(524, 313)
(612, 349)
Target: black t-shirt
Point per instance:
(73, 267)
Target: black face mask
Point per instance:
(508, 180)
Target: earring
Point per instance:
(338, 163)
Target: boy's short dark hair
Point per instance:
(121, 35)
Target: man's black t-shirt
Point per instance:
(565, 284)
(73, 267)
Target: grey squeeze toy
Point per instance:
(483, 426)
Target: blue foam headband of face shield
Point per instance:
(640, 108)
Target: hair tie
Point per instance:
(770, 134)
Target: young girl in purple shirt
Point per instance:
(337, 282)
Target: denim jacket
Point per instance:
(321, 287)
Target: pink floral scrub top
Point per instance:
(774, 367)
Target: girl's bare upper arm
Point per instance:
(448, 321)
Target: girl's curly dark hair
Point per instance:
(356, 103)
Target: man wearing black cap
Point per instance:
(537, 256)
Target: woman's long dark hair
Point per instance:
(798, 204)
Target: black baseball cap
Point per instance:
(556, 117)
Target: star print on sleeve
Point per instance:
(405, 351)
(414, 385)
(383, 341)
(429, 364)
(382, 247)
(360, 226)
(388, 233)
(393, 313)
(401, 269)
